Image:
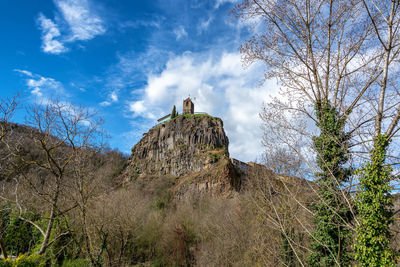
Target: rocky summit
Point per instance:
(192, 148)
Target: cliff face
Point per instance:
(192, 148)
(180, 146)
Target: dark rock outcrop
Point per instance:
(181, 146)
(191, 153)
(190, 149)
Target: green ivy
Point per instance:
(331, 238)
(374, 203)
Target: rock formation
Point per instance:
(191, 148)
(180, 146)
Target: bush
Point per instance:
(30, 261)
(76, 263)
(20, 236)
(5, 263)
(24, 261)
(214, 157)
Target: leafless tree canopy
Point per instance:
(59, 134)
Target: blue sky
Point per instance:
(132, 61)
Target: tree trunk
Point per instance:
(3, 248)
(49, 226)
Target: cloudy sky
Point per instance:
(132, 61)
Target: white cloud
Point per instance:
(203, 26)
(105, 103)
(77, 22)
(137, 107)
(43, 87)
(130, 70)
(26, 72)
(218, 3)
(222, 88)
(112, 98)
(50, 32)
(36, 91)
(82, 22)
(180, 32)
(142, 23)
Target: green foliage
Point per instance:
(20, 236)
(24, 261)
(30, 261)
(374, 203)
(198, 116)
(5, 263)
(173, 113)
(215, 157)
(188, 116)
(76, 263)
(62, 247)
(331, 238)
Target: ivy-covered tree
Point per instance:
(374, 203)
(342, 53)
(312, 47)
(331, 238)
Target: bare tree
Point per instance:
(7, 109)
(60, 133)
(89, 184)
(326, 57)
(280, 204)
(337, 62)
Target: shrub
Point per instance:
(214, 157)
(20, 236)
(24, 260)
(5, 262)
(76, 263)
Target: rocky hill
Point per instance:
(193, 150)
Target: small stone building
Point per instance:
(164, 119)
(188, 106)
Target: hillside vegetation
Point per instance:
(179, 200)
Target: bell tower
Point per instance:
(188, 106)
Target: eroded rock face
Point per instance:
(179, 147)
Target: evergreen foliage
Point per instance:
(19, 236)
(173, 113)
(374, 203)
(330, 241)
